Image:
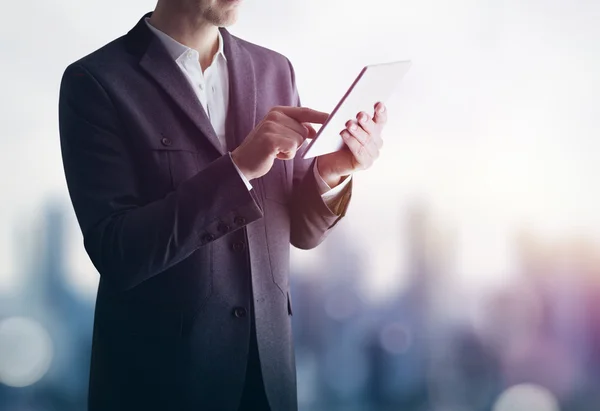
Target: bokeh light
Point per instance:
(25, 351)
(526, 397)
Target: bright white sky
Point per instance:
(495, 125)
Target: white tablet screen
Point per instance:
(374, 83)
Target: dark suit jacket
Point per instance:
(181, 245)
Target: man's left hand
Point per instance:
(363, 143)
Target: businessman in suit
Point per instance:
(182, 149)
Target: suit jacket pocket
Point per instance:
(178, 159)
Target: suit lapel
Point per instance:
(241, 113)
(156, 61)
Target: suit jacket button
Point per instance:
(238, 246)
(239, 312)
(223, 228)
(208, 238)
(239, 220)
(166, 141)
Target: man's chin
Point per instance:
(228, 20)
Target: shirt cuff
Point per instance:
(331, 196)
(248, 185)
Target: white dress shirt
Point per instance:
(212, 89)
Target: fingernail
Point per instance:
(381, 109)
(362, 118)
(353, 127)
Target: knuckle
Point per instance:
(267, 126)
(270, 125)
(274, 115)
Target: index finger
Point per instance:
(304, 114)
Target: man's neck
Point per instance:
(192, 31)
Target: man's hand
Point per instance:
(278, 135)
(363, 142)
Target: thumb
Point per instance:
(311, 130)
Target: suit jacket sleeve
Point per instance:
(130, 241)
(311, 218)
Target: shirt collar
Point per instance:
(177, 50)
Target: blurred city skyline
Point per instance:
(528, 345)
(389, 267)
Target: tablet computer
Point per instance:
(374, 83)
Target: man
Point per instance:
(182, 152)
